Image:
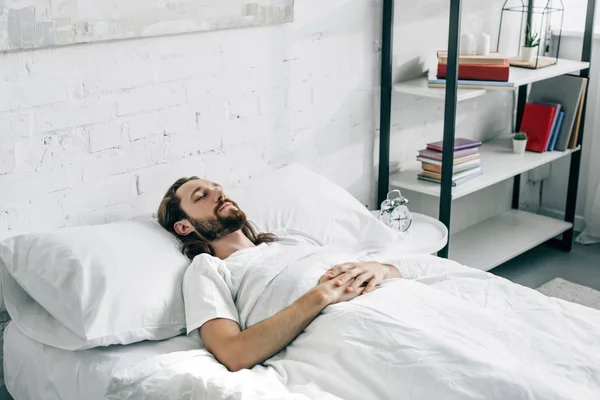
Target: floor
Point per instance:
(536, 267)
(544, 263)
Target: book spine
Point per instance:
(498, 73)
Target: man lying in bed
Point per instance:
(233, 260)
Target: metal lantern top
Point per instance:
(520, 6)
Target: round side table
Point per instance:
(425, 235)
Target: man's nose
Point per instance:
(217, 194)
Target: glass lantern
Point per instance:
(525, 34)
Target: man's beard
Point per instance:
(217, 227)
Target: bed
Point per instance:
(37, 371)
(445, 331)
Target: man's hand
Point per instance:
(336, 293)
(363, 276)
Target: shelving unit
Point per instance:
(513, 231)
(498, 162)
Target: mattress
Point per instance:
(34, 371)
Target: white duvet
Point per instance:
(445, 332)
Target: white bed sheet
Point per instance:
(447, 332)
(34, 371)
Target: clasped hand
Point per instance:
(358, 277)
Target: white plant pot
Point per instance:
(529, 53)
(519, 146)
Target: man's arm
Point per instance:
(237, 349)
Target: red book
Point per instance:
(475, 72)
(537, 124)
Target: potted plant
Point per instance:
(530, 50)
(519, 143)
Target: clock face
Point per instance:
(397, 218)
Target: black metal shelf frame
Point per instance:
(445, 206)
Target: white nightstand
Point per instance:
(425, 235)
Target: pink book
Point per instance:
(436, 155)
(459, 144)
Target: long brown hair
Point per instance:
(170, 212)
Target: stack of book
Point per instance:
(552, 118)
(476, 72)
(467, 161)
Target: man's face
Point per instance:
(210, 212)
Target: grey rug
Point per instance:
(572, 292)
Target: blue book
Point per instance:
(556, 131)
(557, 107)
(474, 84)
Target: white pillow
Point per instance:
(78, 288)
(296, 197)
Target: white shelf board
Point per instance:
(503, 237)
(519, 76)
(523, 76)
(420, 87)
(497, 161)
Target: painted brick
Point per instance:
(75, 113)
(139, 154)
(105, 136)
(150, 98)
(7, 160)
(141, 205)
(19, 187)
(6, 138)
(238, 164)
(245, 130)
(5, 216)
(306, 118)
(178, 146)
(30, 92)
(14, 66)
(121, 74)
(166, 121)
(174, 68)
(42, 212)
(157, 179)
(328, 92)
(257, 47)
(52, 152)
(271, 101)
(201, 88)
(210, 124)
(299, 96)
(259, 78)
(20, 125)
(244, 105)
(97, 195)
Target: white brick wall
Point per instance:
(101, 129)
(94, 133)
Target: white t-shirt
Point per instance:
(233, 288)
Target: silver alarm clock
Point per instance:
(394, 212)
